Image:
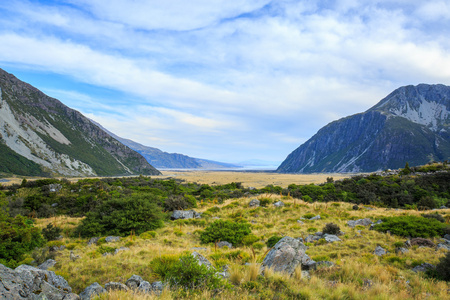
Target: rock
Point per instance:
(318, 233)
(401, 250)
(74, 257)
(422, 242)
(93, 241)
(408, 244)
(202, 260)
(145, 287)
(185, 214)
(279, 204)
(254, 203)
(443, 207)
(379, 251)
(362, 222)
(331, 238)
(116, 286)
(91, 291)
(224, 244)
(423, 267)
(325, 264)
(443, 246)
(13, 286)
(47, 264)
(286, 255)
(367, 283)
(120, 250)
(315, 218)
(447, 237)
(34, 277)
(56, 187)
(134, 281)
(300, 222)
(56, 248)
(157, 287)
(71, 296)
(54, 204)
(112, 239)
(305, 275)
(312, 238)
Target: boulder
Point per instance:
(55, 187)
(116, 286)
(315, 218)
(331, 238)
(120, 250)
(145, 287)
(185, 214)
(447, 237)
(423, 267)
(287, 255)
(157, 287)
(444, 246)
(380, 251)
(254, 203)
(134, 281)
(279, 204)
(224, 244)
(35, 277)
(13, 286)
(91, 291)
(112, 239)
(47, 264)
(362, 222)
(93, 241)
(71, 296)
(202, 260)
(401, 250)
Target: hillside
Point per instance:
(410, 125)
(41, 136)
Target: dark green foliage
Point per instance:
(411, 226)
(250, 239)
(426, 203)
(175, 202)
(51, 232)
(264, 202)
(105, 249)
(224, 230)
(443, 267)
(162, 265)
(121, 216)
(189, 274)
(331, 228)
(273, 240)
(436, 216)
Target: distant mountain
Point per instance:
(165, 160)
(41, 136)
(412, 124)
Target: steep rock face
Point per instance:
(409, 125)
(46, 137)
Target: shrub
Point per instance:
(309, 216)
(443, 267)
(436, 216)
(105, 249)
(121, 216)
(148, 235)
(273, 240)
(51, 232)
(264, 202)
(411, 226)
(162, 265)
(214, 209)
(189, 274)
(250, 239)
(257, 245)
(312, 229)
(422, 242)
(331, 228)
(221, 230)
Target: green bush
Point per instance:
(443, 268)
(250, 239)
(331, 228)
(189, 274)
(121, 216)
(264, 202)
(273, 240)
(221, 230)
(51, 232)
(309, 216)
(257, 245)
(161, 266)
(105, 249)
(411, 226)
(148, 235)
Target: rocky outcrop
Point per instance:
(361, 222)
(287, 255)
(423, 267)
(91, 291)
(254, 203)
(379, 251)
(409, 125)
(185, 214)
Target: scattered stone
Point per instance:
(93, 241)
(56, 187)
(401, 250)
(331, 238)
(185, 214)
(56, 248)
(112, 239)
(379, 251)
(74, 257)
(91, 291)
(443, 246)
(54, 204)
(300, 222)
(254, 203)
(362, 222)
(47, 264)
(312, 238)
(279, 204)
(71, 296)
(224, 244)
(202, 260)
(286, 255)
(315, 218)
(116, 286)
(447, 237)
(145, 287)
(120, 250)
(134, 282)
(443, 207)
(306, 275)
(157, 287)
(423, 267)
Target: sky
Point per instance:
(223, 80)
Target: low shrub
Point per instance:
(309, 216)
(273, 240)
(411, 226)
(258, 245)
(443, 268)
(422, 242)
(312, 229)
(224, 230)
(264, 202)
(105, 249)
(436, 216)
(161, 266)
(250, 239)
(331, 228)
(148, 235)
(51, 232)
(213, 209)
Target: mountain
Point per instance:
(165, 160)
(410, 125)
(41, 136)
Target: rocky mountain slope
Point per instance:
(41, 136)
(410, 125)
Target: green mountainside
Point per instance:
(410, 125)
(41, 131)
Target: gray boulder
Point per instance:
(447, 237)
(224, 244)
(13, 286)
(254, 203)
(315, 218)
(279, 204)
(145, 287)
(56, 187)
(116, 286)
(286, 255)
(331, 238)
(423, 267)
(71, 296)
(112, 239)
(202, 260)
(134, 281)
(47, 264)
(157, 287)
(185, 214)
(401, 250)
(444, 246)
(34, 277)
(312, 238)
(379, 251)
(362, 222)
(91, 291)
(93, 241)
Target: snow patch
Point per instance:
(429, 113)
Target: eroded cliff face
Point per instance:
(410, 125)
(41, 130)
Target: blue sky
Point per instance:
(219, 79)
